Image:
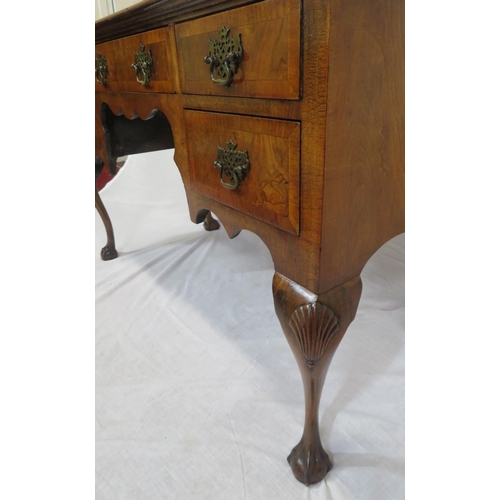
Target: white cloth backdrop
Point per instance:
(197, 392)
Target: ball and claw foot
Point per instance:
(109, 253)
(210, 224)
(310, 464)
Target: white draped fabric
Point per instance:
(198, 395)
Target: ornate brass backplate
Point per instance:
(143, 65)
(101, 69)
(233, 165)
(224, 56)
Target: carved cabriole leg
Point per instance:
(109, 251)
(314, 326)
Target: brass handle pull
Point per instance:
(101, 69)
(233, 165)
(143, 65)
(224, 56)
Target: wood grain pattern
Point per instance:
(314, 61)
(352, 136)
(351, 146)
(297, 258)
(270, 36)
(270, 191)
(120, 57)
(364, 162)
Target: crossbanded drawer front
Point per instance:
(120, 55)
(250, 164)
(265, 41)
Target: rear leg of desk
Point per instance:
(314, 326)
(210, 224)
(108, 252)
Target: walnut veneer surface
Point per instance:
(312, 111)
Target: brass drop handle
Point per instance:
(101, 69)
(224, 56)
(232, 165)
(143, 65)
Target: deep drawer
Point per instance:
(270, 189)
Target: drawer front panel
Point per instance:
(270, 42)
(270, 189)
(120, 56)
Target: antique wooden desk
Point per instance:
(287, 118)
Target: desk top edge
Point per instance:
(152, 14)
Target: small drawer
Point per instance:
(265, 38)
(120, 56)
(260, 155)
